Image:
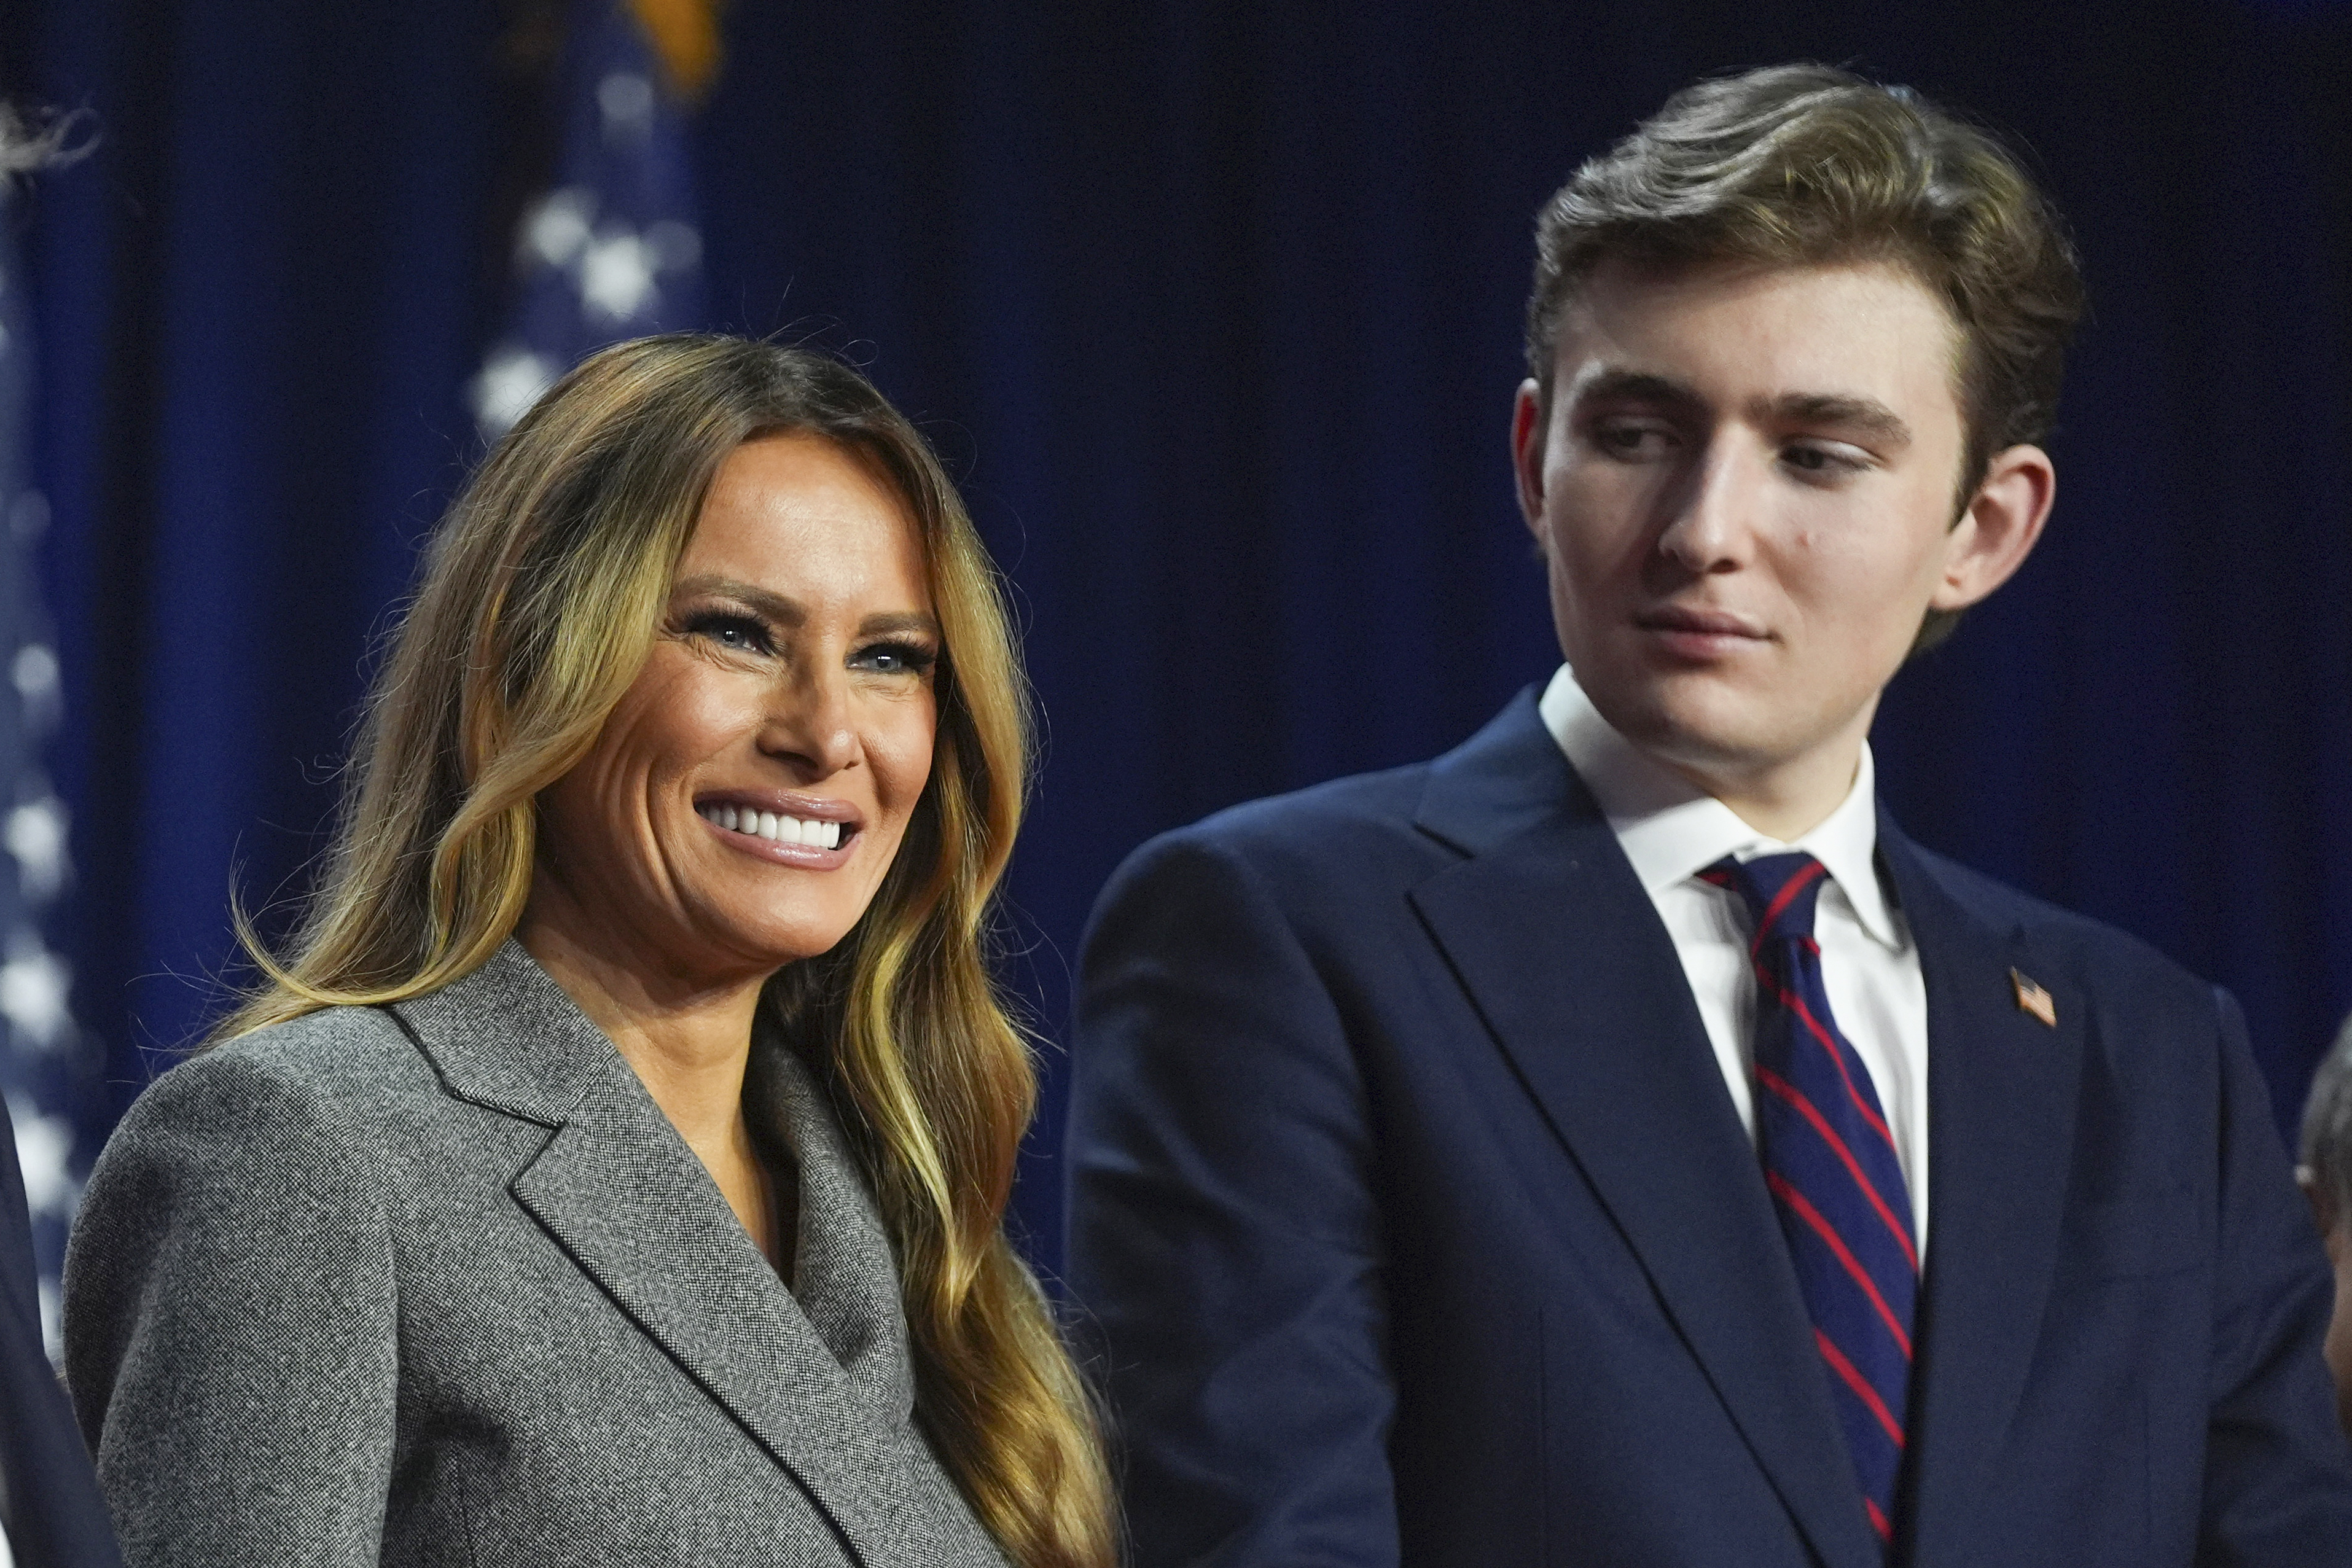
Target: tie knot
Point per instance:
(1779, 891)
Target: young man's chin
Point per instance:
(1689, 715)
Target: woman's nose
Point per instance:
(810, 721)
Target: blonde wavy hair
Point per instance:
(541, 597)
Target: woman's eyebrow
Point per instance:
(784, 610)
(919, 623)
(771, 606)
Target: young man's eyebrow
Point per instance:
(1633, 386)
(1863, 416)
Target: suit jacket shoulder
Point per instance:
(1316, 832)
(1319, 850)
(2089, 948)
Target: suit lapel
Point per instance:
(1562, 954)
(2001, 1087)
(635, 1210)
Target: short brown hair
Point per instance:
(1807, 165)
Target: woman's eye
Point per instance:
(736, 633)
(895, 659)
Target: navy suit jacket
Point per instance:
(1418, 1226)
(48, 1497)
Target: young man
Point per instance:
(1531, 1156)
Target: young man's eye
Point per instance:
(1824, 462)
(1635, 441)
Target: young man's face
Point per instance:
(1745, 490)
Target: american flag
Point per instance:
(49, 1071)
(612, 250)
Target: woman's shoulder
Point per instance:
(280, 1140)
(330, 1042)
(338, 1066)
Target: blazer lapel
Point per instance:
(633, 1208)
(2002, 1088)
(844, 1277)
(1562, 954)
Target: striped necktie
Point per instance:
(1830, 1162)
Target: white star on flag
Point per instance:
(610, 251)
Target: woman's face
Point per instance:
(745, 798)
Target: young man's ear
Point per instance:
(1999, 526)
(1528, 416)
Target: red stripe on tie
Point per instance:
(1878, 1520)
(1827, 1233)
(1780, 902)
(1795, 1099)
(1860, 1386)
(1796, 1004)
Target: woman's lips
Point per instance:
(792, 829)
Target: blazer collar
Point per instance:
(1562, 954)
(507, 1036)
(826, 1390)
(1510, 778)
(2002, 1093)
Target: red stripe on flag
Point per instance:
(1878, 1520)
(1860, 1386)
(1827, 1233)
(1796, 1100)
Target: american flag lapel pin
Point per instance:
(2032, 998)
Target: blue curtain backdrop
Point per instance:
(1215, 311)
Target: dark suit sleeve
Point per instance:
(2275, 1460)
(230, 1329)
(1224, 1235)
(48, 1498)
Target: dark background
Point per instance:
(1214, 309)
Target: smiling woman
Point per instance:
(614, 1168)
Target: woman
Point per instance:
(614, 1171)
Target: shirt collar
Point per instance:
(1671, 829)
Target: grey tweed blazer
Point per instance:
(439, 1283)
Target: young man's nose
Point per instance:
(1711, 513)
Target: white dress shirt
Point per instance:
(1671, 830)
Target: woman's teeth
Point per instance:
(776, 829)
